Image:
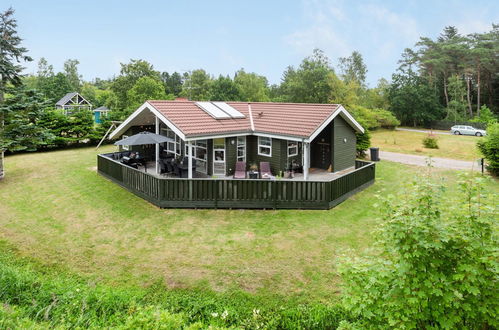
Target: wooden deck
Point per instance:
(315, 174)
(324, 192)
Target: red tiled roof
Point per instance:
(292, 119)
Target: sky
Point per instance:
(224, 36)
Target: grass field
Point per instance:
(56, 210)
(450, 146)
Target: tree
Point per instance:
(310, 83)
(22, 112)
(146, 88)
(412, 100)
(173, 83)
(224, 89)
(489, 147)
(353, 68)
(11, 54)
(72, 75)
(457, 106)
(197, 85)
(436, 267)
(251, 87)
(129, 74)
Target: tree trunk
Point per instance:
(478, 93)
(445, 92)
(468, 96)
(491, 90)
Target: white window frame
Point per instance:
(125, 147)
(224, 162)
(292, 147)
(241, 146)
(264, 146)
(176, 144)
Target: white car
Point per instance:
(467, 130)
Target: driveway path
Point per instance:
(435, 161)
(421, 131)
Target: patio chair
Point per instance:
(169, 165)
(240, 172)
(176, 170)
(265, 172)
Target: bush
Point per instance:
(374, 118)
(430, 142)
(436, 267)
(489, 147)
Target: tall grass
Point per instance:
(33, 298)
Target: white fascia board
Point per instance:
(279, 137)
(219, 136)
(146, 106)
(345, 115)
(84, 99)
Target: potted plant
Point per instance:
(253, 171)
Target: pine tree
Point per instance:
(11, 54)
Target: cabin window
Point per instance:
(292, 148)
(125, 147)
(199, 149)
(241, 148)
(264, 146)
(171, 147)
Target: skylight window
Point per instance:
(220, 110)
(228, 109)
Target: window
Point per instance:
(264, 146)
(125, 147)
(241, 148)
(199, 149)
(292, 148)
(171, 147)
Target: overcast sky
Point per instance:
(224, 36)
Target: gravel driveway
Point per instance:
(452, 164)
(421, 131)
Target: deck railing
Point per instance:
(232, 193)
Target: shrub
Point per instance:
(436, 267)
(430, 141)
(489, 147)
(363, 140)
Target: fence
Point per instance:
(229, 193)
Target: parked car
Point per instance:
(467, 130)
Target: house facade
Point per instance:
(216, 135)
(71, 102)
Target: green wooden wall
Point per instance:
(343, 153)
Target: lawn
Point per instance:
(450, 146)
(56, 210)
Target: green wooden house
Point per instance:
(304, 137)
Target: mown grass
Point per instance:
(450, 146)
(57, 211)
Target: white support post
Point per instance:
(189, 163)
(157, 146)
(306, 160)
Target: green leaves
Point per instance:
(435, 268)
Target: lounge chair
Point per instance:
(265, 172)
(240, 172)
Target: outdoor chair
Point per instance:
(176, 170)
(240, 172)
(265, 172)
(169, 166)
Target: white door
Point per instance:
(219, 157)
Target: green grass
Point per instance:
(450, 146)
(58, 212)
